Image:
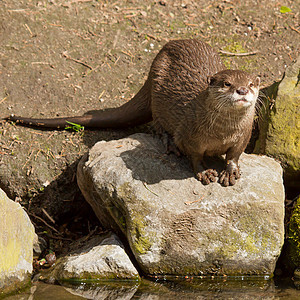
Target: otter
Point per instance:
(206, 109)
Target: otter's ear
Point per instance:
(257, 81)
(211, 80)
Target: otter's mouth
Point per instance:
(243, 102)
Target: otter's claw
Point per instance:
(207, 176)
(229, 176)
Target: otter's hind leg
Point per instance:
(166, 138)
(169, 144)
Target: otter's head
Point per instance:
(234, 89)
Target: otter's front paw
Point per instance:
(229, 176)
(207, 176)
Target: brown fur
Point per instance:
(187, 95)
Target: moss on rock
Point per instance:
(141, 243)
(293, 237)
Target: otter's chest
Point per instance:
(220, 144)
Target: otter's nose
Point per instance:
(242, 90)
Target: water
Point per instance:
(220, 288)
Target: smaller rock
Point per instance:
(102, 258)
(50, 258)
(279, 128)
(297, 273)
(291, 255)
(39, 246)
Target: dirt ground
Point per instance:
(61, 58)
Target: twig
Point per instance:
(133, 23)
(49, 217)
(76, 60)
(117, 60)
(27, 27)
(33, 132)
(90, 233)
(130, 16)
(191, 25)
(42, 63)
(68, 4)
(295, 29)
(149, 189)
(238, 54)
(152, 36)
(50, 136)
(38, 152)
(56, 25)
(93, 33)
(58, 237)
(42, 220)
(3, 99)
(191, 202)
(129, 54)
(5, 147)
(17, 10)
(28, 159)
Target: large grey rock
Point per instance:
(16, 245)
(176, 225)
(102, 258)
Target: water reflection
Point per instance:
(183, 289)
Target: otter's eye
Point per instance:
(251, 84)
(226, 83)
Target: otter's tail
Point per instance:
(135, 112)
